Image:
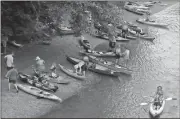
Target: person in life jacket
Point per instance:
(158, 97)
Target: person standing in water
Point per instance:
(124, 31)
(118, 54)
(39, 66)
(112, 42)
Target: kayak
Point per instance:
(46, 42)
(110, 65)
(136, 5)
(38, 92)
(144, 36)
(85, 44)
(120, 39)
(72, 73)
(15, 44)
(28, 79)
(133, 10)
(152, 23)
(99, 53)
(65, 31)
(144, 11)
(128, 36)
(156, 112)
(95, 67)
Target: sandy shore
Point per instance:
(23, 105)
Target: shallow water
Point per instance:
(153, 64)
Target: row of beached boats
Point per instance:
(97, 64)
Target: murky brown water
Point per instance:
(153, 64)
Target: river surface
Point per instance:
(153, 64)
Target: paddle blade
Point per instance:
(168, 99)
(142, 104)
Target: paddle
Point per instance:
(167, 99)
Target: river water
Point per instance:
(153, 64)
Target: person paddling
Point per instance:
(82, 66)
(158, 97)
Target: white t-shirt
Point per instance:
(9, 60)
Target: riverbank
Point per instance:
(13, 104)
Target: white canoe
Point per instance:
(142, 21)
(38, 92)
(157, 112)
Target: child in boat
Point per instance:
(12, 76)
(82, 66)
(158, 97)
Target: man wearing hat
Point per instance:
(40, 65)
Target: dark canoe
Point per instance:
(65, 31)
(133, 10)
(144, 36)
(110, 65)
(99, 54)
(28, 79)
(72, 73)
(85, 43)
(152, 23)
(96, 68)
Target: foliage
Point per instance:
(33, 18)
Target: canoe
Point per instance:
(102, 37)
(110, 65)
(133, 10)
(38, 92)
(13, 43)
(28, 79)
(157, 112)
(144, 11)
(142, 21)
(65, 31)
(72, 73)
(144, 36)
(85, 44)
(99, 53)
(96, 68)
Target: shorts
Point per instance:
(12, 81)
(84, 68)
(118, 56)
(9, 68)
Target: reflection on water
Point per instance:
(153, 64)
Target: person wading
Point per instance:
(118, 54)
(82, 66)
